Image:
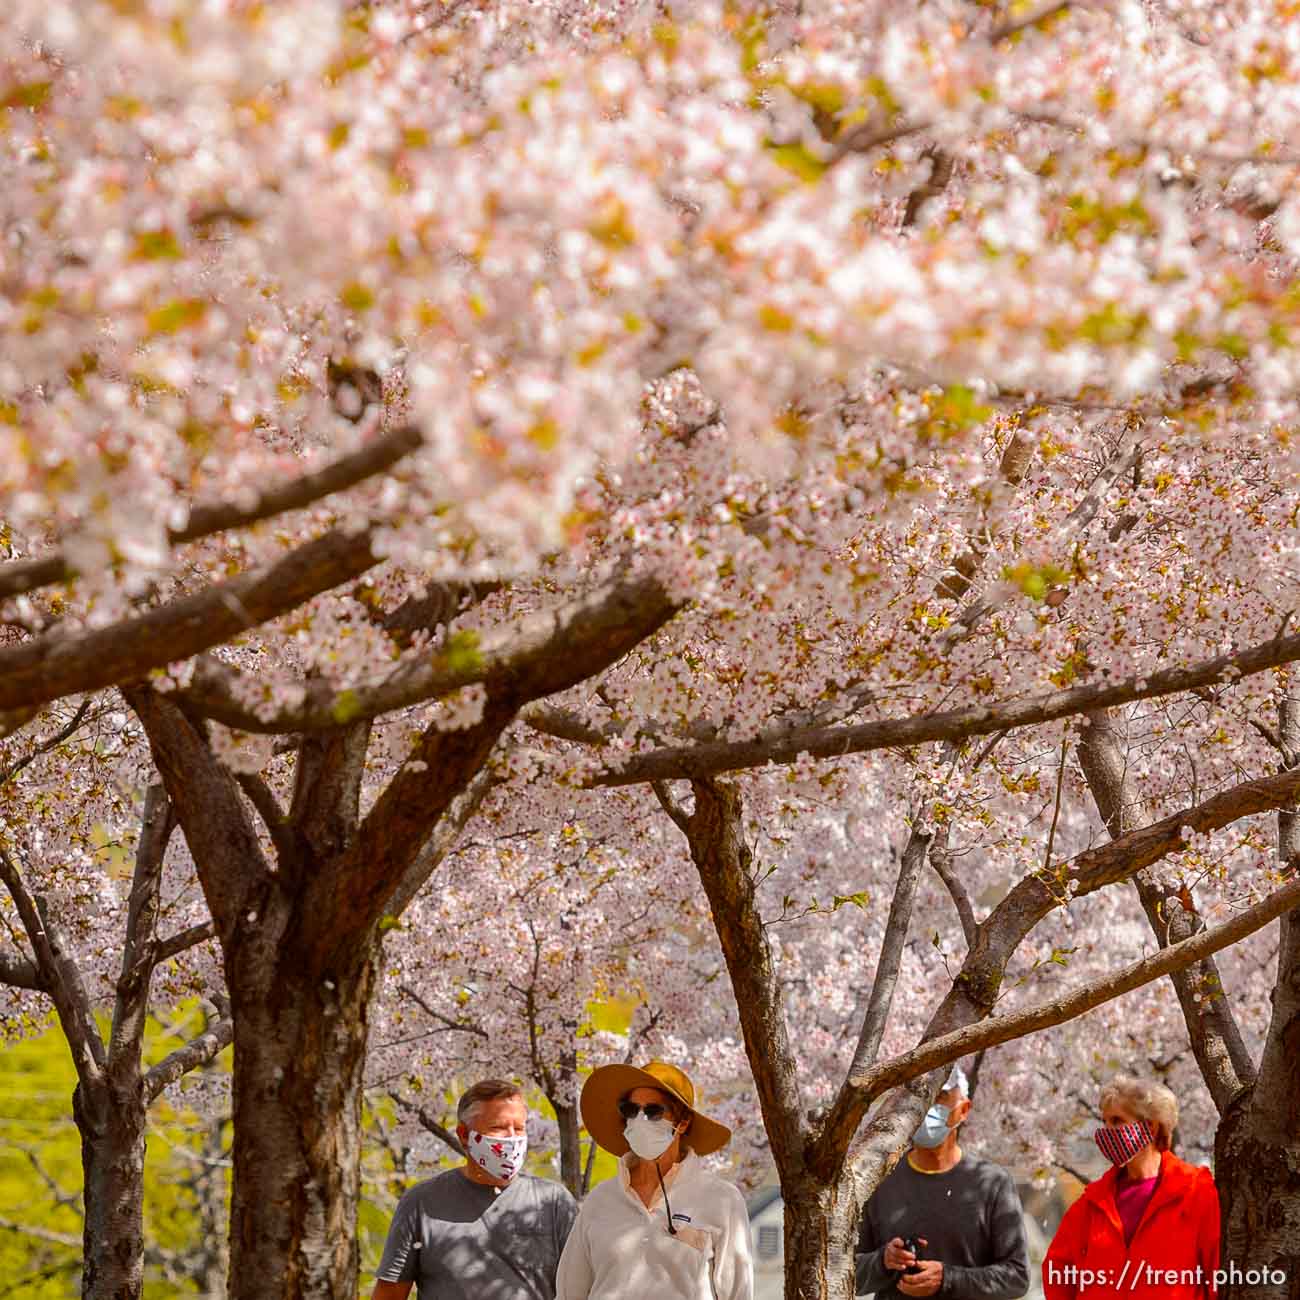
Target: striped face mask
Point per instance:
(1120, 1144)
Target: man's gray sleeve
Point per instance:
(564, 1213)
(1007, 1277)
(401, 1260)
(871, 1275)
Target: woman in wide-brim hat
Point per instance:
(665, 1228)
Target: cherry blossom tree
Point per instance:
(403, 403)
(64, 813)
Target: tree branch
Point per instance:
(555, 650)
(444, 838)
(1001, 1029)
(429, 1124)
(166, 949)
(975, 988)
(715, 833)
(68, 730)
(941, 861)
(224, 845)
(381, 455)
(198, 1051)
(61, 976)
(19, 972)
(784, 744)
(891, 950)
(1008, 29)
(131, 1001)
(530, 659)
(1221, 1052)
(56, 664)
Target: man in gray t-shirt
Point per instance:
(962, 1212)
(482, 1231)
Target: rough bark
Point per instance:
(57, 663)
(570, 1126)
(111, 1120)
(1257, 1147)
(821, 1230)
(300, 1047)
(784, 744)
(820, 1214)
(715, 833)
(300, 937)
(1212, 1028)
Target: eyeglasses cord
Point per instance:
(668, 1209)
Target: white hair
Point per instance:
(1147, 1100)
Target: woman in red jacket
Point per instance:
(1149, 1227)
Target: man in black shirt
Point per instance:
(963, 1213)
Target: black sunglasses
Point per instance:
(652, 1111)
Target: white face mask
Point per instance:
(649, 1138)
(500, 1157)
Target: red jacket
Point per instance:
(1177, 1238)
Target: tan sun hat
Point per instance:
(608, 1085)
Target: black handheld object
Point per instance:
(912, 1245)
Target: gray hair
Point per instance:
(1152, 1102)
(483, 1091)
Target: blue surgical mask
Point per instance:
(933, 1128)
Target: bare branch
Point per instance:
(165, 949)
(429, 1124)
(1215, 1036)
(346, 472)
(132, 991)
(715, 833)
(61, 975)
(530, 659)
(60, 663)
(784, 744)
(65, 732)
(444, 837)
(941, 861)
(198, 1051)
(42, 1234)
(1001, 1029)
(891, 950)
(670, 805)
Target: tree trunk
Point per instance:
(570, 1146)
(821, 1234)
(213, 1260)
(111, 1120)
(1257, 1152)
(1257, 1147)
(1257, 1165)
(300, 1046)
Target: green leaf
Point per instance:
(799, 159)
(156, 246)
(346, 707)
(461, 654)
(28, 94)
(176, 315)
(857, 900)
(357, 297)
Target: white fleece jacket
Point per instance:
(620, 1250)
